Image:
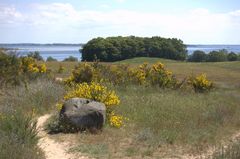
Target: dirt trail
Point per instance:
(52, 149)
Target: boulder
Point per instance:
(80, 114)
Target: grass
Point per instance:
(95, 150)
(168, 123)
(163, 119)
(231, 152)
(19, 107)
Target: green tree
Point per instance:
(120, 48)
(50, 59)
(198, 56)
(232, 56)
(36, 55)
(70, 59)
(217, 56)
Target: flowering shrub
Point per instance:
(155, 75)
(15, 70)
(158, 75)
(29, 65)
(96, 92)
(115, 120)
(84, 72)
(139, 75)
(200, 83)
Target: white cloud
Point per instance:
(191, 26)
(120, 1)
(9, 15)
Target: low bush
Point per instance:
(15, 71)
(122, 74)
(100, 93)
(51, 59)
(70, 59)
(61, 69)
(201, 83)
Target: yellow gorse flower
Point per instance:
(201, 83)
(116, 120)
(94, 91)
(28, 64)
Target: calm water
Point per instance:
(56, 51)
(208, 48)
(61, 52)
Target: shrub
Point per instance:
(217, 56)
(232, 56)
(139, 75)
(61, 69)
(94, 91)
(9, 69)
(35, 55)
(198, 56)
(50, 59)
(100, 93)
(158, 75)
(70, 59)
(200, 83)
(84, 72)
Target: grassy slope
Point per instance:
(158, 116)
(226, 74)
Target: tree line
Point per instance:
(119, 48)
(213, 56)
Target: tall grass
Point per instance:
(18, 107)
(166, 116)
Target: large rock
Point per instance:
(80, 114)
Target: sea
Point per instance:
(62, 51)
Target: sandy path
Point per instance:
(52, 149)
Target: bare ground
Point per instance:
(52, 149)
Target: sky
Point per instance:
(78, 21)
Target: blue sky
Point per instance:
(77, 21)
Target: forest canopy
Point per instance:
(120, 48)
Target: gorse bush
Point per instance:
(160, 76)
(123, 74)
(100, 93)
(94, 91)
(200, 83)
(15, 70)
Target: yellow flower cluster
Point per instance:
(122, 74)
(139, 74)
(116, 120)
(59, 106)
(28, 64)
(94, 91)
(160, 76)
(201, 83)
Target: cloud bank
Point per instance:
(194, 26)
